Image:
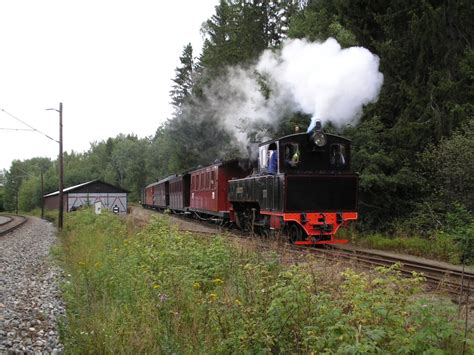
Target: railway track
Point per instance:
(453, 279)
(439, 276)
(9, 223)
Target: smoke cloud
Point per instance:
(319, 79)
(324, 80)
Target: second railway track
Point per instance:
(8, 223)
(439, 276)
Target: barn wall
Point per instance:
(52, 202)
(108, 200)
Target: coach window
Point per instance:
(213, 176)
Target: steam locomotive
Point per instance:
(301, 187)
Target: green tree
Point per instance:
(427, 61)
(20, 172)
(448, 169)
(239, 31)
(183, 82)
(29, 194)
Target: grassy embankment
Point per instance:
(162, 291)
(443, 246)
(453, 242)
(438, 247)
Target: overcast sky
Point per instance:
(110, 62)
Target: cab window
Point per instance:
(292, 155)
(263, 157)
(337, 155)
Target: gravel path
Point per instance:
(30, 303)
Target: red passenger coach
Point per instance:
(149, 195)
(157, 194)
(209, 186)
(179, 192)
(162, 192)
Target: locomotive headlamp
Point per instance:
(319, 138)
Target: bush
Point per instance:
(161, 291)
(460, 227)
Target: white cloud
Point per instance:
(110, 62)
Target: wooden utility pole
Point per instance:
(42, 195)
(61, 169)
(16, 200)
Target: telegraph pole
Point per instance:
(61, 166)
(42, 194)
(61, 169)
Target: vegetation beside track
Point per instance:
(161, 291)
(453, 243)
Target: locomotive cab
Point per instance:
(303, 187)
(297, 154)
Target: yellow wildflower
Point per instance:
(196, 285)
(218, 281)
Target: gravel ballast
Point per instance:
(30, 300)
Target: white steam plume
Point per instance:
(324, 80)
(320, 79)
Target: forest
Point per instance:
(413, 148)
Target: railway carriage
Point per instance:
(148, 195)
(179, 187)
(157, 194)
(209, 188)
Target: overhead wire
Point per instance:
(15, 129)
(28, 125)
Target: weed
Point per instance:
(162, 291)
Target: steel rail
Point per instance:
(14, 223)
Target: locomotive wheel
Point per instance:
(243, 222)
(295, 233)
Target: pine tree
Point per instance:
(183, 82)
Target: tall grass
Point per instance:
(162, 291)
(440, 247)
